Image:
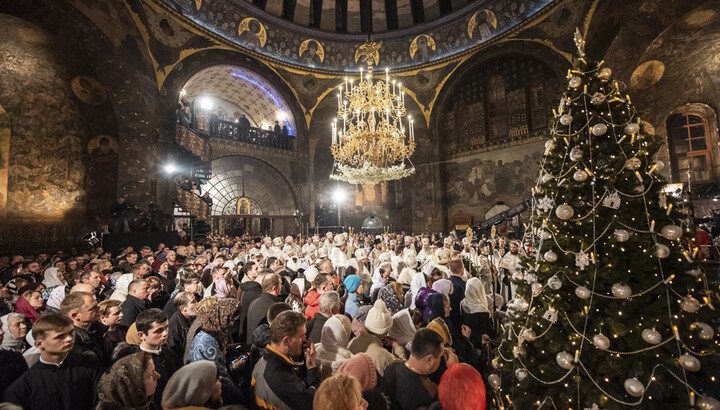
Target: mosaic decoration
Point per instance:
(484, 23)
(103, 148)
(422, 45)
(88, 90)
(315, 52)
(252, 32)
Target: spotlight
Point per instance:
(170, 168)
(206, 103)
(92, 239)
(339, 195)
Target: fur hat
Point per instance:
(362, 368)
(192, 385)
(379, 319)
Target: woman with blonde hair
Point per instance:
(340, 392)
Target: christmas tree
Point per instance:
(613, 311)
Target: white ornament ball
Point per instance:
(575, 82)
(708, 403)
(550, 256)
(601, 341)
(597, 99)
(632, 128)
(671, 232)
(689, 304)
(576, 154)
(605, 73)
(564, 360)
(661, 251)
(544, 234)
(580, 175)
(689, 362)
(651, 336)
(529, 335)
(621, 291)
(599, 129)
(494, 381)
(521, 374)
(550, 144)
(634, 387)
(582, 292)
(621, 235)
(536, 289)
(554, 283)
(565, 211)
(521, 304)
(566, 119)
(705, 331)
(633, 163)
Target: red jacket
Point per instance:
(312, 304)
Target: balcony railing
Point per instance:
(231, 131)
(193, 142)
(192, 204)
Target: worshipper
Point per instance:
(380, 279)
(152, 328)
(461, 388)
(443, 286)
(83, 310)
(295, 299)
(15, 328)
(425, 292)
(207, 339)
(393, 296)
(329, 303)
(262, 333)
(181, 321)
(135, 302)
(475, 312)
(247, 293)
(189, 282)
(30, 305)
(62, 377)
(413, 375)
(418, 281)
(157, 297)
(111, 316)
(129, 384)
(362, 368)
(458, 290)
(322, 283)
(12, 365)
(403, 328)
(276, 377)
(354, 286)
(439, 305)
(54, 277)
(5, 305)
(121, 287)
(271, 286)
(377, 323)
(340, 392)
(195, 386)
(332, 350)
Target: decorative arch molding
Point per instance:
(241, 176)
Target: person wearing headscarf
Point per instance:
(195, 386)
(221, 288)
(13, 324)
(427, 290)
(53, 278)
(30, 305)
(418, 282)
(297, 291)
(332, 350)
(443, 286)
(392, 295)
(129, 384)
(475, 311)
(207, 340)
(121, 287)
(380, 278)
(439, 305)
(403, 328)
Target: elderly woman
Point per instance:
(129, 384)
(332, 350)
(13, 324)
(393, 296)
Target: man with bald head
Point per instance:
(136, 301)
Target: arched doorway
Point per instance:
(250, 196)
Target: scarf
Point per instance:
(475, 298)
(216, 313)
(443, 286)
(403, 328)
(221, 288)
(121, 287)
(418, 281)
(10, 342)
(51, 279)
(23, 306)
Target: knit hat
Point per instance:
(192, 385)
(439, 326)
(310, 274)
(379, 319)
(362, 368)
(352, 282)
(123, 386)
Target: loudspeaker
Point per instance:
(114, 241)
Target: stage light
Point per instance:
(206, 103)
(339, 195)
(170, 168)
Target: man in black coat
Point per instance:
(136, 301)
(62, 378)
(152, 328)
(329, 304)
(271, 286)
(181, 321)
(458, 293)
(83, 310)
(247, 293)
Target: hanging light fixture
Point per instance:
(372, 141)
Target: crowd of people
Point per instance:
(338, 322)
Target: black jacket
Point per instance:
(247, 293)
(91, 342)
(132, 307)
(12, 365)
(314, 327)
(279, 383)
(166, 364)
(68, 386)
(258, 311)
(178, 326)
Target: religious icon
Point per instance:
(369, 51)
(313, 51)
(243, 206)
(421, 47)
(88, 90)
(483, 23)
(103, 148)
(252, 32)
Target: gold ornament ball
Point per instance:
(671, 232)
(564, 360)
(632, 128)
(689, 362)
(601, 341)
(582, 292)
(566, 119)
(575, 82)
(580, 175)
(651, 336)
(605, 73)
(661, 251)
(689, 304)
(550, 256)
(621, 291)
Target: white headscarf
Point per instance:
(121, 287)
(418, 281)
(377, 281)
(51, 279)
(403, 328)
(475, 298)
(11, 342)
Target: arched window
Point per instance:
(538, 106)
(689, 148)
(497, 107)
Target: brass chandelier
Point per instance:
(369, 144)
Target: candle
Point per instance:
(669, 209)
(621, 139)
(652, 226)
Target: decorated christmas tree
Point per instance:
(614, 310)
